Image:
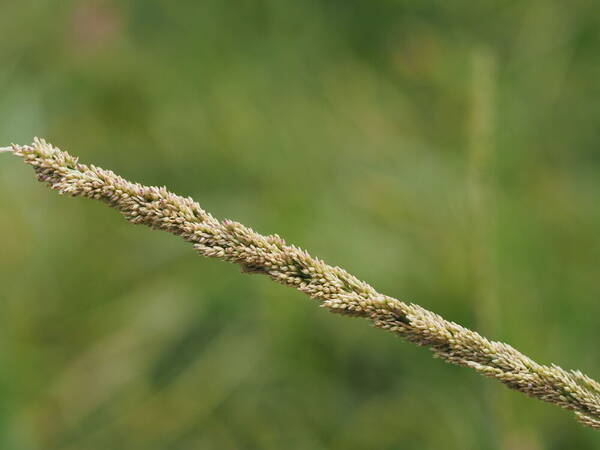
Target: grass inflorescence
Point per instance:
(334, 288)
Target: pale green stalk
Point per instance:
(334, 288)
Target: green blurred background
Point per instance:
(446, 152)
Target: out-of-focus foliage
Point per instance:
(445, 152)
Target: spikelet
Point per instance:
(334, 288)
